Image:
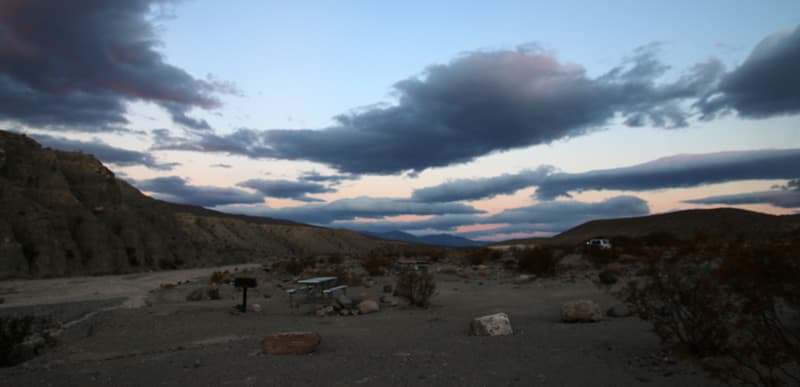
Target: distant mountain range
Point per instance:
(446, 240)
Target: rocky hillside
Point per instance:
(64, 213)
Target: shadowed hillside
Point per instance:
(64, 213)
(718, 223)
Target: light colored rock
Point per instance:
(496, 324)
(523, 279)
(284, 343)
(255, 307)
(368, 306)
(325, 311)
(393, 301)
(581, 311)
(366, 296)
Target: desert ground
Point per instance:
(137, 329)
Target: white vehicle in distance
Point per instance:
(598, 243)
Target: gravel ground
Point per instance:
(171, 342)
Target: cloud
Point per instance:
(175, 189)
(103, 152)
(350, 209)
(479, 103)
(76, 65)
(548, 217)
(678, 171)
(784, 199)
(296, 190)
(766, 84)
(475, 189)
(787, 196)
(445, 223)
(221, 165)
(316, 177)
(573, 212)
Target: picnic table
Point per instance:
(321, 286)
(318, 284)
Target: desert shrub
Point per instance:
(602, 257)
(660, 238)
(417, 286)
(482, 255)
(437, 255)
(295, 266)
(23, 337)
(220, 277)
(732, 311)
(335, 259)
(375, 265)
(540, 260)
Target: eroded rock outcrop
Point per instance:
(64, 213)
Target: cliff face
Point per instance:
(64, 213)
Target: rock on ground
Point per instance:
(368, 306)
(496, 324)
(581, 311)
(523, 279)
(284, 343)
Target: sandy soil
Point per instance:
(159, 339)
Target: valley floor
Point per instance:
(144, 338)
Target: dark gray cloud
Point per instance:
(316, 177)
(296, 190)
(350, 209)
(443, 223)
(766, 84)
(221, 165)
(76, 64)
(558, 212)
(479, 103)
(787, 196)
(547, 217)
(175, 189)
(678, 171)
(482, 188)
(103, 152)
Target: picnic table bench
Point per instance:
(321, 286)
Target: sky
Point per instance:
(487, 120)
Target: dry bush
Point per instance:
(335, 259)
(482, 255)
(437, 254)
(602, 257)
(296, 266)
(22, 338)
(734, 311)
(220, 277)
(540, 260)
(376, 265)
(417, 286)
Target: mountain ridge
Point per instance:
(65, 214)
(445, 240)
(722, 223)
